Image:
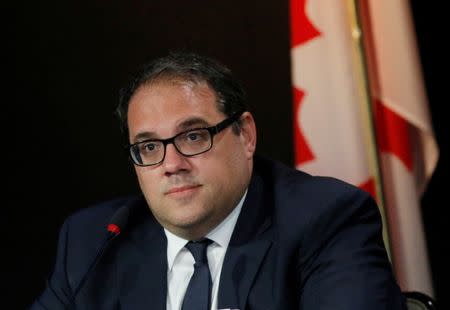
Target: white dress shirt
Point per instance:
(180, 261)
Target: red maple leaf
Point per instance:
(369, 187)
(303, 152)
(302, 29)
(393, 134)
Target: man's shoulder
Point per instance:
(286, 178)
(299, 195)
(314, 204)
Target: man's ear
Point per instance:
(248, 133)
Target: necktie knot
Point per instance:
(198, 250)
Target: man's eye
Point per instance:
(196, 136)
(149, 147)
(193, 136)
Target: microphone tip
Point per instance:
(114, 229)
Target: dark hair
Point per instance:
(187, 66)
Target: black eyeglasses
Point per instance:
(188, 143)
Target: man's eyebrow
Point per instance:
(190, 123)
(146, 135)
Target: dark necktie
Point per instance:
(198, 293)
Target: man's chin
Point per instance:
(190, 222)
(190, 226)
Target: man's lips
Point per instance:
(180, 189)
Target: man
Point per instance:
(217, 228)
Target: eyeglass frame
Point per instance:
(213, 130)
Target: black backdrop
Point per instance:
(65, 61)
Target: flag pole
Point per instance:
(366, 108)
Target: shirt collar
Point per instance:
(221, 234)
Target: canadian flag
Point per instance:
(361, 115)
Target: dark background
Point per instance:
(64, 62)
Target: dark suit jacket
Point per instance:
(300, 242)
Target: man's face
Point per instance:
(189, 196)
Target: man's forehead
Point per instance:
(166, 108)
(174, 97)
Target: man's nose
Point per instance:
(174, 161)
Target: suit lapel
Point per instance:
(142, 269)
(248, 246)
(238, 272)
